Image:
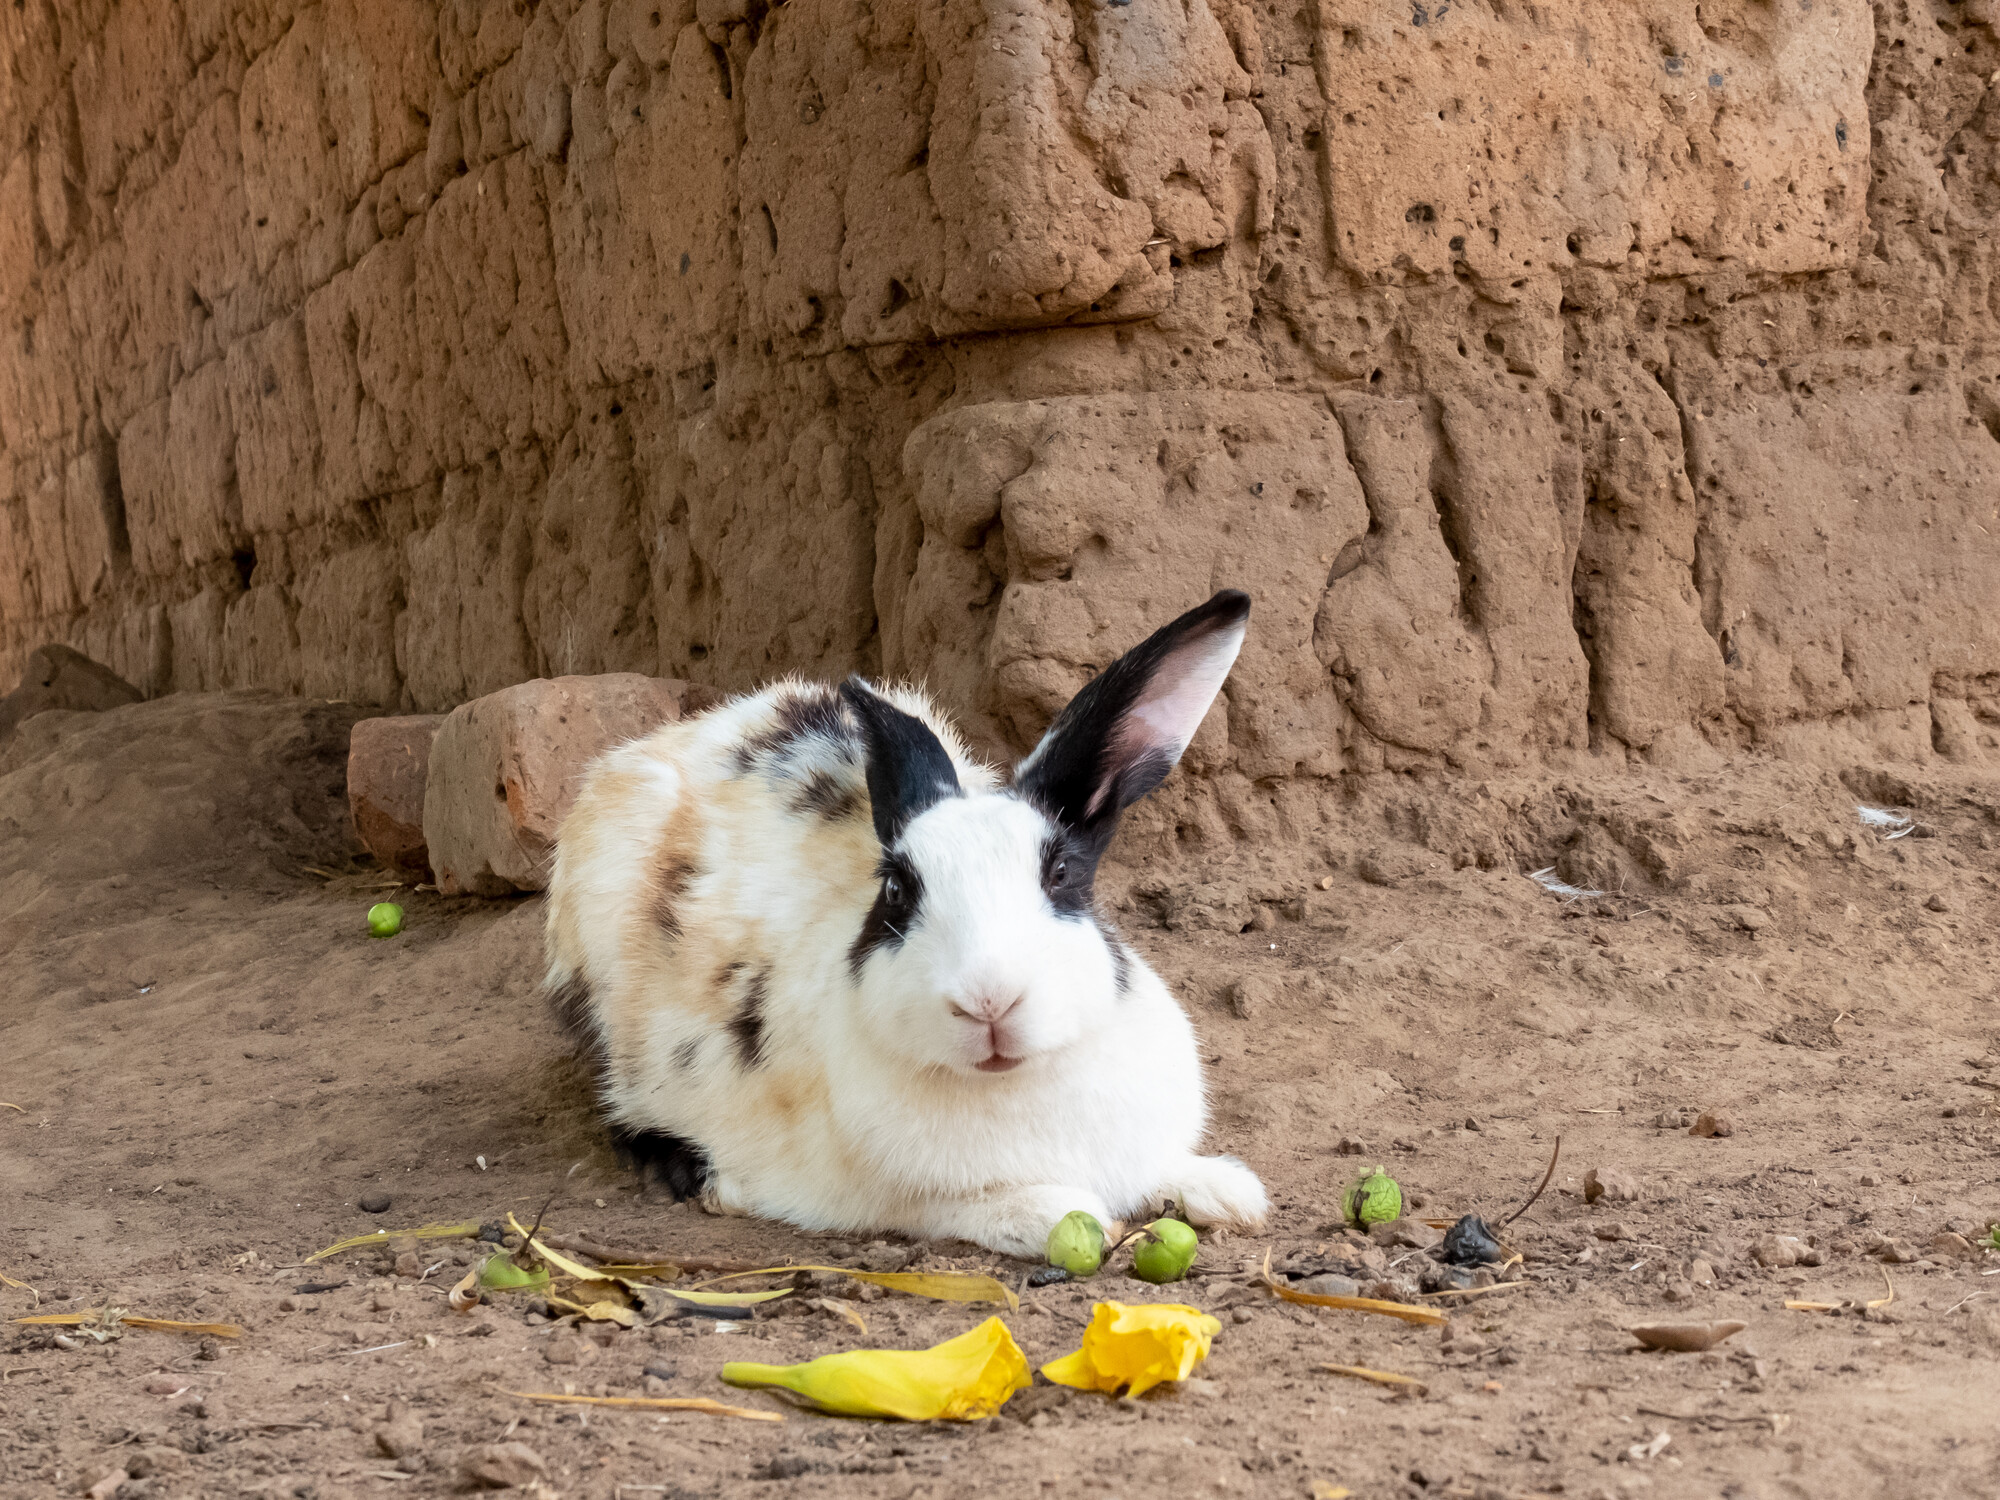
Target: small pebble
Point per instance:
(1611, 1184)
(1937, 903)
(1714, 1122)
(375, 1203)
(1241, 1315)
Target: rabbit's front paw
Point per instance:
(1017, 1220)
(1219, 1190)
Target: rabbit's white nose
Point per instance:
(986, 1008)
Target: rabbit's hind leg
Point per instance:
(665, 1160)
(1218, 1190)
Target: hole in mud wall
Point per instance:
(246, 564)
(770, 226)
(715, 51)
(899, 298)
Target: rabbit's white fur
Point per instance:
(706, 933)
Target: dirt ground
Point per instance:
(213, 1064)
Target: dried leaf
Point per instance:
(556, 1259)
(1686, 1338)
(1791, 1306)
(722, 1299)
(1890, 1286)
(841, 1309)
(1429, 1317)
(1324, 1489)
(658, 1403)
(1380, 1377)
(163, 1325)
(1480, 1291)
(379, 1236)
(465, 1296)
(15, 1107)
(598, 1312)
(940, 1286)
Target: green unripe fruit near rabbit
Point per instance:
(1375, 1199)
(1169, 1251)
(1077, 1244)
(385, 919)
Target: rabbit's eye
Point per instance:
(892, 890)
(1058, 873)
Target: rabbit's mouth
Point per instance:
(998, 1063)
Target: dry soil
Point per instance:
(213, 1064)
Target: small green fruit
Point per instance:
(385, 919)
(1077, 1244)
(1375, 1199)
(1168, 1254)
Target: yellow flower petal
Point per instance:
(1137, 1347)
(964, 1379)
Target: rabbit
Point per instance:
(832, 971)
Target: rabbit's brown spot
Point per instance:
(671, 874)
(747, 1025)
(827, 796)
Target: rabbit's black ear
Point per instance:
(1120, 736)
(908, 770)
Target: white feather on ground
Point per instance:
(1547, 880)
(1900, 824)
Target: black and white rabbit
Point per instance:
(833, 972)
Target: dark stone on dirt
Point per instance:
(1047, 1276)
(375, 1203)
(1470, 1242)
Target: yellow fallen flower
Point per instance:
(965, 1379)
(1137, 1347)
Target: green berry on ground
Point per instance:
(385, 919)
(1375, 1199)
(1077, 1244)
(1168, 1252)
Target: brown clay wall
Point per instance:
(1563, 377)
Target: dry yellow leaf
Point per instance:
(1429, 1317)
(1380, 1377)
(163, 1325)
(424, 1232)
(1479, 1291)
(657, 1403)
(940, 1286)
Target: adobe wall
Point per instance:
(1561, 377)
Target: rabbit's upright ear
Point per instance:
(908, 769)
(1120, 736)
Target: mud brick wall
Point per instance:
(1563, 377)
